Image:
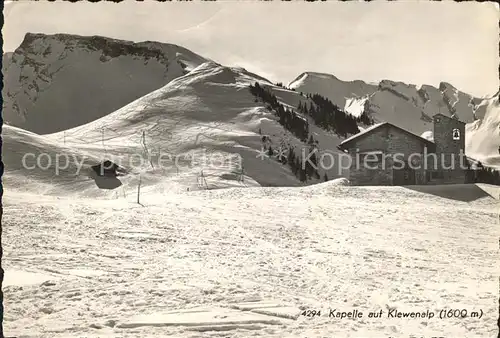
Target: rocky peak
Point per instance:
(76, 79)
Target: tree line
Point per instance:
(303, 171)
(288, 118)
(325, 115)
(483, 174)
(295, 124)
(330, 117)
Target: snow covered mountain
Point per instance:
(483, 135)
(70, 80)
(342, 93)
(390, 101)
(87, 260)
(161, 101)
(181, 132)
(409, 106)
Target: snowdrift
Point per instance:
(234, 261)
(38, 164)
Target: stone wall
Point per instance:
(410, 149)
(358, 174)
(397, 146)
(376, 174)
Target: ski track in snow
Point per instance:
(245, 262)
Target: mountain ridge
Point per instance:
(125, 71)
(60, 72)
(204, 115)
(425, 100)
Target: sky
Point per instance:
(415, 42)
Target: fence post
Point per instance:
(139, 189)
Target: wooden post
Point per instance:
(102, 139)
(203, 180)
(139, 190)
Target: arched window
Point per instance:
(456, 134)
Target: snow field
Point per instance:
(246, 262)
